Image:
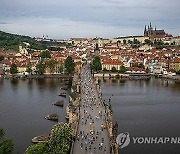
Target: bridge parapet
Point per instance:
(112, 126)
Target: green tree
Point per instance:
(60, 139)
(13, 69)
(29, 68)
(96, 64)
(105, 70)
(140, 65)
(148, 42)
(69, 65)
(159, 47)
(113, 69)
(118, 43)
(122, 69)
(6, 146)
(160, 42)
(129, 42)
(124, 41)
(1, 58)
(45, 54)
(61, 68)
(155, 42)
(39, 148)
(135, 41)
(51, 64)
(40, 67)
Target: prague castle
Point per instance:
(150, 32)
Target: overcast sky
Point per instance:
(88, 18)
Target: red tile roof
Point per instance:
(113, 62)
(175, 60)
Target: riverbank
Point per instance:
(35, 76)
(134, 76)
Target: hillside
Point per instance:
(12, 41)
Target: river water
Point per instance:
(23, 106)
(142, 108)
(145, 109)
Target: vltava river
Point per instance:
(145, 109)
(23, 106)
(142, 108)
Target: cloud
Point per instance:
(112, 15)
(3, 23)
(114, 1)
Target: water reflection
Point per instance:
(14, 81)
(113, 80)
(1, 80)
(24, 103)
(30, 82)
(40, 81)
(122, 81)
(145, 108)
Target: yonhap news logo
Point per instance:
(123, 140)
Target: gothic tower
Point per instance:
(145, 31)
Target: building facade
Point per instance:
(175, 64)
(109, 64)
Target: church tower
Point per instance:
(145, 31)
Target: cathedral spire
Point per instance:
(145, 31)
(150, 25)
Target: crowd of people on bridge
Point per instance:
(92, 118)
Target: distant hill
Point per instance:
(12, 41)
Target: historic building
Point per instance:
(175, 64)
(153, 33)
(108, 64)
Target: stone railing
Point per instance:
(72, 110)
(112, 131)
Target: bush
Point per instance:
(59, 141)
(13, 69)
(104, 70)
(40, 148)
(45, 54)
(69, 65)
(122, 69)
(113, 69)
(6, 146)
(96, 64)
